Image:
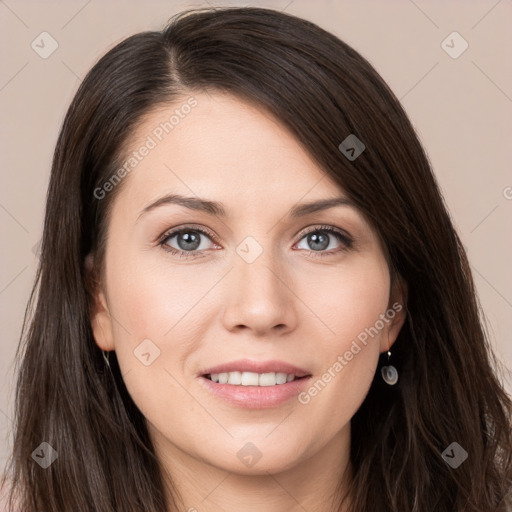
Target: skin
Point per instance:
(287, 305)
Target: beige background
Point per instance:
(460, 107)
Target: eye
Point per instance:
(190, 245)
(319, 240)
(188, 240)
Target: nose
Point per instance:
(259, 298)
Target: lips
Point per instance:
(255, 384)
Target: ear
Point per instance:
(101, 322)
(396, 313)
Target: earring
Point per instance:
(106, 358)
(389, 373)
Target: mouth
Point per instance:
(240, 378)
(255, 385)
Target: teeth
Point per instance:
(251, 378)
(234, 378)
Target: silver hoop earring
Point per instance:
(106, 358)
(389, 373)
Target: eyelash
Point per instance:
(346, 241)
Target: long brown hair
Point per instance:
(322, 90)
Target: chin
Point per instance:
(260, 457)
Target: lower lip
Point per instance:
(256, 397)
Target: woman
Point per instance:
(251, 295)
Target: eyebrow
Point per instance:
(217, 209)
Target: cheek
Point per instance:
(351, 301)
(152, 299)
(353, 311)
(163, 303)
(155, 330)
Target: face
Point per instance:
(241, 292)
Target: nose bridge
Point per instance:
(259, 296)
(257, 261)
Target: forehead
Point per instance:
(222, 148)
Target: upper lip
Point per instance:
(248, 365)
